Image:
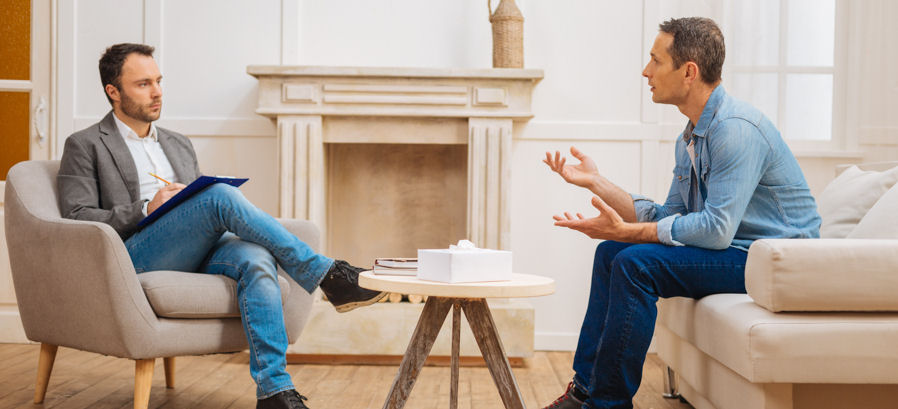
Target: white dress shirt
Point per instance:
(148, 157)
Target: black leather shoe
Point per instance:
(283, 400)
(568, 400)
(341, 286)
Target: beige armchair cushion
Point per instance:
(823, 274)
(881, 222)
(173, 294)
(847, 199)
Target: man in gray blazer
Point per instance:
(123, 168)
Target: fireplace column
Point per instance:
(301, 168)
(489, 182)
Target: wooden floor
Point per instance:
(87, 380)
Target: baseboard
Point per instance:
(11, 330)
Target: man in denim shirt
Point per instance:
(735, 181)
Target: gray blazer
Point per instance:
(97, 177)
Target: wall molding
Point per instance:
(650, 112)
(599, 131)
(204, 126)
(291, 14)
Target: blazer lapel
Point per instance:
(120, 154)
(176, 157)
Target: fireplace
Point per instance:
(389, 160)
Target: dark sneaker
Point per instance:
(283, 400)
(571, 399)
(341, 286)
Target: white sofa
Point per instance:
(819, 325)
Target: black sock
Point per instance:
(578, 394)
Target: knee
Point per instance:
(223, 190)
(630, 265)
(604, 254)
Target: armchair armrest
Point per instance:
(77, 286)
(823, 274)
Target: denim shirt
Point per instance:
(749, 185)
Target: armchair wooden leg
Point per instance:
(143, 380)
(169, 372)
(44, 367)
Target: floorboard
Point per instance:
(87, 380)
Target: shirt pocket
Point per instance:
(683, 178)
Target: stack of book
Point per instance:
(396, 266)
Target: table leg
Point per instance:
(429, 324)
(453, 361)
(481, 321)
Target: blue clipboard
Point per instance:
(198, 185)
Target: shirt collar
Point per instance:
(127, 132)
(708, 113)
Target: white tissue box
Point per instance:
(464, 265)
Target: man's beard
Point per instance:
(136, 111)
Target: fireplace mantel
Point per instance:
(302, 99)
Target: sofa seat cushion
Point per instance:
(809, 347)
(176, 294)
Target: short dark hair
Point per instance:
(114, 58)
(696, 39)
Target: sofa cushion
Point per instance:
(881, 222)
(849, 196)
(176, 294)
(763, 346)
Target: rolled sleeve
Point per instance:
(645, 208)
(665, 230)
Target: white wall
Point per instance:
(592, 96)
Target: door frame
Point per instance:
(42, 84)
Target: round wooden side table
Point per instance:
(472, 298)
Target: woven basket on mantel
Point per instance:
(508, 35)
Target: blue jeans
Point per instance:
(627, 280)
(218, 231)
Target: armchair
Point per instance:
(76, 287)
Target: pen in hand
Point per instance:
(158, 177)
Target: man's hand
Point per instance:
(606, 225)
(163, 195)
(609, 225)
(584, 174)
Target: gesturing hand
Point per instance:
(583, 174)
(607, 225)
(163, 195)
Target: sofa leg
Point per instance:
(670, 384)
(44, 368)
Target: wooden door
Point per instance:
(24, 82)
